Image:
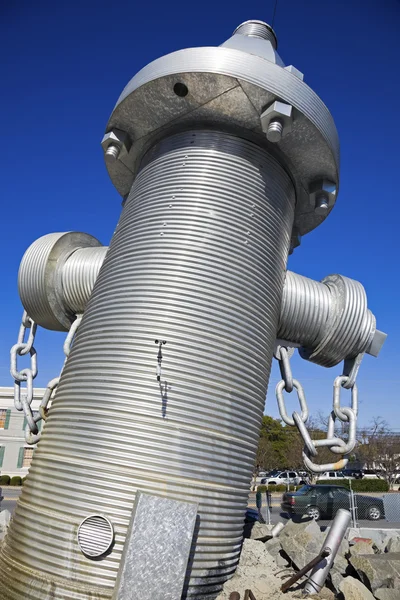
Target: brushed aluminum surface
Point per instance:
(305, 309)
(258, 29)
(309, 310)
(79, 274)
(32, 280)
(197, 259)
(39, 277)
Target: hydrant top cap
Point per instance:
(259, 29)
(241, 86)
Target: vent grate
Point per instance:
(95, 536)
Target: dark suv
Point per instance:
(323, 501)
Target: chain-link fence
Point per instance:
(377, 510)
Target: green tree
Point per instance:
(273, 444)
(280, 446)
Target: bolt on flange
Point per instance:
(276, 120)
(322, 196)
(116, 143)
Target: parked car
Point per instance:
(285, 478)
(334, 475)
(353, 473)
(370, 474)
(270, 474)
(251, 516)
(323, 501)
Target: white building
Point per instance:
(15, 453)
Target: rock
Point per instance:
(361, 548)
(260, 531)
(381, 538)
(377, 570)
(393, 544)
(257, 572)
(281, 560)
(340, 564)
(323, 594)
(344, 549)
(253, 554)
(352, 589)
(387, 594)
(273, 546)
(336, 579)
(301, 541)
(5, 517)
(337, 571)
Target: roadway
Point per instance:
(11, 496)
(276, 515)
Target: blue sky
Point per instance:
(63, 68)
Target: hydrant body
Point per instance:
(198, 259)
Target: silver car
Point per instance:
(285, 478)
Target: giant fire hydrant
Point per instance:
(224, 158)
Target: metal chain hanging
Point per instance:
(344, 414)
(22, 402)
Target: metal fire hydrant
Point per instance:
(224, 158)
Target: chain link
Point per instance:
(284, 365)
(344, 414)
(70, 337)
(23, 401)
(340, 382)
(281, 402)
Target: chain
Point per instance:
(22, 402)
(344, 414)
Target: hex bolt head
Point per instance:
(321, 203)
(113, 151)
(276, 120)
(274, 131)
(116, 144)
(322, 196)
(294, 71)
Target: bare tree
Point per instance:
(379, 448)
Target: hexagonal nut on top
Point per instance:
(322, 195)
(116, 143)
(276, 120)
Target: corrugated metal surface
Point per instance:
(32, 280)
(306, 305)
(79, 274)
(39, 277)
(329, 318)
(257, 29)
(198, 260)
